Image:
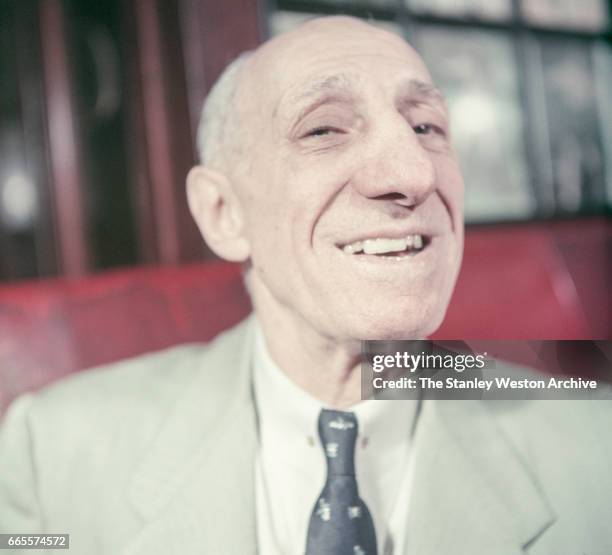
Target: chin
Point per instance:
(397, 324)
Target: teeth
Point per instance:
(353, 248)
(384, 246)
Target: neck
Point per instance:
(322, 366)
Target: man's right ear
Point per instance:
(216, 209)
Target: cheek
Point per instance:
(313, 191)
(290, 195)
(451, 189)
(275, 227)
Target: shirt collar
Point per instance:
(288, 415)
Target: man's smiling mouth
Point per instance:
(388, 247)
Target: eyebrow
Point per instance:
(341, 86)
(336, 82)
(415, 89)
(332, 87)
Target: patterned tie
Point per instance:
(340, 523)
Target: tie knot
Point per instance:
(338, 433)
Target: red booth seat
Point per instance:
(516, 282)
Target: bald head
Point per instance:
(322, 37)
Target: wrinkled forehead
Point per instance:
(336, 53)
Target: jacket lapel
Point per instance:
(471, 492)
(195, 487)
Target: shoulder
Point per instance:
(154, 378)
(101, 423)
(140, 391)
(566, 444)
(548, 421)
(580, 415)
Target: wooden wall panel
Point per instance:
(65, 156)
(178, 50)
(214, 33)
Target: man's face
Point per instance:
(351, 190)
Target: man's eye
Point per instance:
(320, 132)
(427, 129)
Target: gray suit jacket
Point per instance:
(154, 456)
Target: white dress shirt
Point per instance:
(290, 466)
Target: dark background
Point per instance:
(99, 101)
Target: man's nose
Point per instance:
(397, 166)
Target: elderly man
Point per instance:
(329, 173)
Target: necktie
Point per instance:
(340, 523)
